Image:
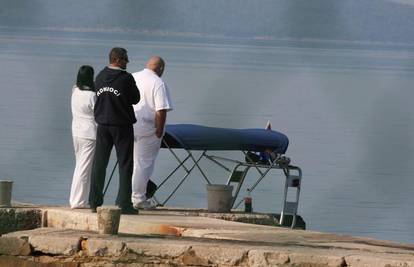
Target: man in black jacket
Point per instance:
(116, 93)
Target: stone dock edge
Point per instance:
(58, 236)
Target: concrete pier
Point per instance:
(171, 237)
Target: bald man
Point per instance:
(151, 115)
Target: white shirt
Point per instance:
(83, 120)
(155, 96)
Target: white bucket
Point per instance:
(219, 197)
(5, 193)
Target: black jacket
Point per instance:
(116, 93)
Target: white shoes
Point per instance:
(146, 205)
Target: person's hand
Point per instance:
(160, 118)
(158, 133)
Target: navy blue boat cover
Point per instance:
(197, 137)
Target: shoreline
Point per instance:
(263, 41)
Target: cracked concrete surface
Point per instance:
(165, 238)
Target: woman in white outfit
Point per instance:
(84, 136)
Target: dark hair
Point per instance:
(117, 53)
(84, 80)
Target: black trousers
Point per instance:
(123, 138)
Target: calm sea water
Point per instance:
(347, 112)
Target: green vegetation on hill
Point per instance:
(352, 20)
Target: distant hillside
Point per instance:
(354, 20)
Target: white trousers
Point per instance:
(81, 181)
(146, 149)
